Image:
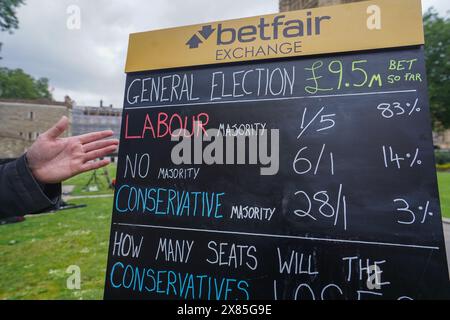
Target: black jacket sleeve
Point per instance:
(21, 194)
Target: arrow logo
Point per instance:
(206, 31)
(195, 40)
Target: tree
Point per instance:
(16, 84)
(8, 18)
(42, 88)
(437, 56)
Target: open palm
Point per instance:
(52, 159)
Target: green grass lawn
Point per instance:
(35, 254)
(444, 192)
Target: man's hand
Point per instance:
(52, 159)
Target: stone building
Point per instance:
(289, 5)
(21, 122)
(87, 119)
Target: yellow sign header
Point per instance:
(350, 27)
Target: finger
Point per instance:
(58, 128)
(93, 165)
(99, 153)
(99, 144)
(94, 136)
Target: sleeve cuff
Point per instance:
(35, 196)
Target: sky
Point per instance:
(86, 61)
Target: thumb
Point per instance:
(58, 128)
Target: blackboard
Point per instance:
(351, 211)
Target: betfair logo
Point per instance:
(200, 36)
(278, 28)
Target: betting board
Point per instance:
(286, 156)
